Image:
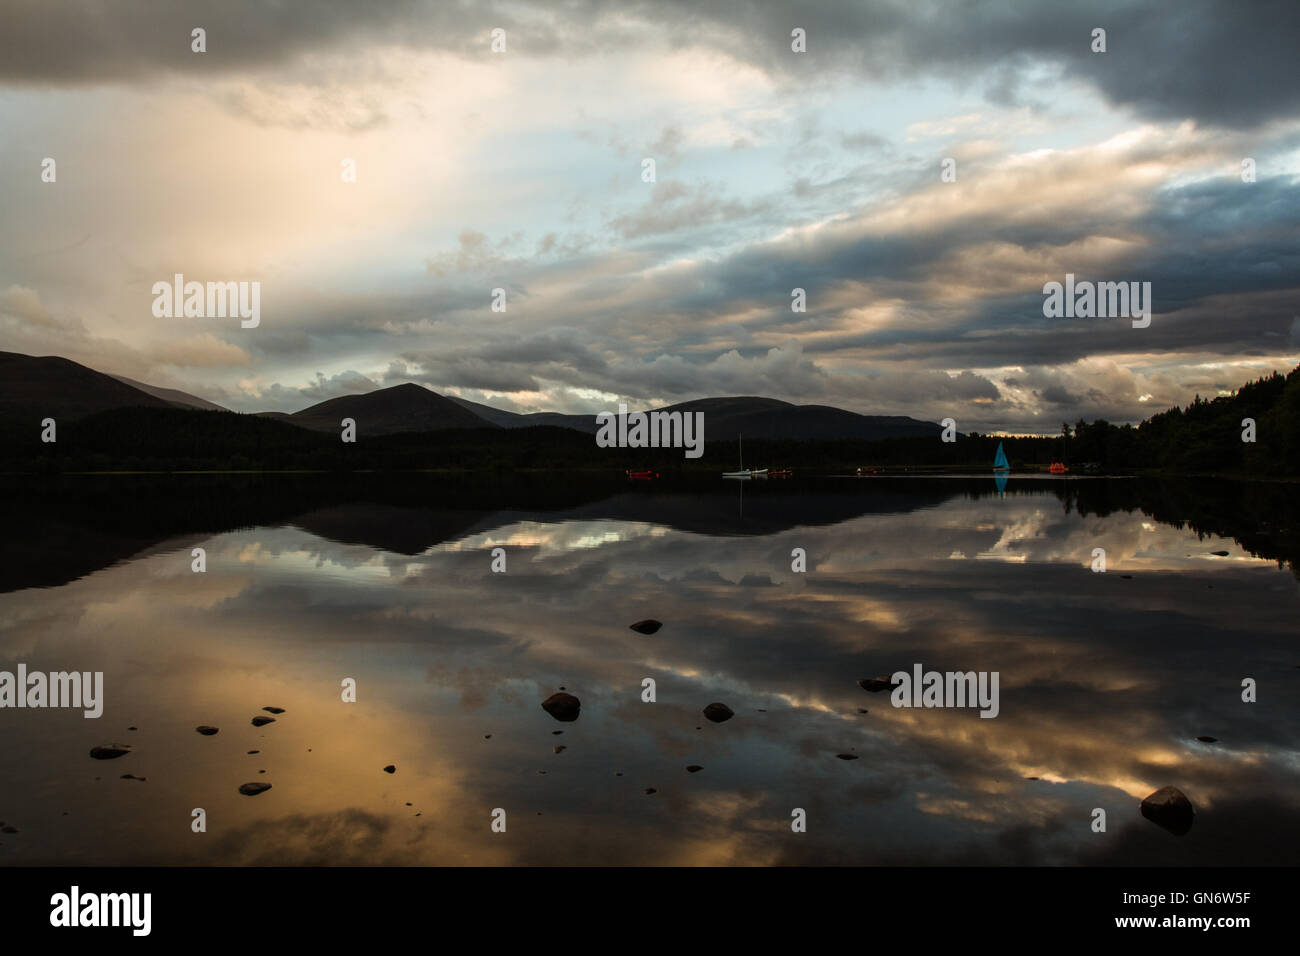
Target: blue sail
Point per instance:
(1000, 462)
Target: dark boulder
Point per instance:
(562, 706)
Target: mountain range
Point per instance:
(50, 386)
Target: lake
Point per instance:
(1106, 679)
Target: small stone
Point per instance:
(847, 756)
(260, 721)
(648, 626)
(1219, 554)
(110, 751)
(562, 706)
(255, 751)
(862, 710)
(391, 768)
(206, 731)
(1169, 809)
(650, 790)
(274, 710)
(718, 712)
(558, 749)
(253, 789)
(1208, 740)
(557, 732)
(876, 684)
(133, 728)
(9, 829)
(694, 768)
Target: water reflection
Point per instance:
(1106, 679)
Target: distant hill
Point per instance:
(173, 395)
(770, 419)
(497, 416)
(59, 388)
(727, 418)
(387, 411)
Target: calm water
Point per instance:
(1106, 679)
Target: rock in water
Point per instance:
(563, 707)
(648, 626)
(253, 789)
(206, 731)
(876, 684)
(109, 751)
(274, 710)
(263, 721)
(1208, 740)
(718, 712)
(1170, 809)
(694, 768)
(1219, 554)
(847, 756)
(391, 768)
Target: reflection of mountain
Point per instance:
(59, 531)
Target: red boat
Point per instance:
(642, 475)
(1058, 468)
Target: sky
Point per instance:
(523, 169)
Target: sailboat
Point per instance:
(1000, 462)
(745, 472)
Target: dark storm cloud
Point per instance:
(1216, 62)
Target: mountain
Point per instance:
(768, 418)
(173, 396)
(387, 411)
(756, 418)
(497, 416)
(59, 388)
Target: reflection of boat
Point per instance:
(780, 473)
(1058, 468)
(867, 471)
(745, 472)
(1000, 462)
(642, 475)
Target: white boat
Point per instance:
(744, 472)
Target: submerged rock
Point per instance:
(1169, 809)
(562, 706)
(876, 684)
(718, 712)
(648, 626)
(253, 789)
(110, 751)
(260, 721)
(206, 731)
